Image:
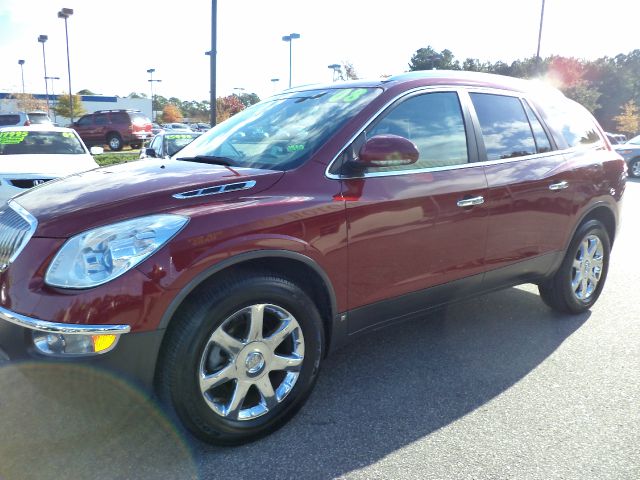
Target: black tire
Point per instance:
(115, 142)
(189, 348)
(634, 168)
(558, 292)
(136, 146)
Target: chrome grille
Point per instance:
(16, 228)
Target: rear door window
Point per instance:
(505, 127)
(574, 122)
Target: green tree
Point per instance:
(137, 95)
(63, 107)
(28, 103)
(85, 91)
(171, 113)
(248, 99)
(628, 122)
(428, 59)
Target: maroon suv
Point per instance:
(224, 276)
(115, 128)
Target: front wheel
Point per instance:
(634, 168)
(241, 358)
(577, 284)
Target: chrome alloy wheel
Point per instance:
(587, 268)
(251, 362)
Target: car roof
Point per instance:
(441, 77)
(37, 128)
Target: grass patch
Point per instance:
(115, 158)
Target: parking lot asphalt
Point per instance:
(495, 387)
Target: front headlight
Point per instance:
(98, 256)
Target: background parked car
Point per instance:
(32, 155)
(166, 144)
(115, 128)
(630, 151)
(24, 119)
(200, 127)
(616, 138)
(173, 127)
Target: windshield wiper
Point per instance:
(211, 159)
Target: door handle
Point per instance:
(559, 186)
(470, 202)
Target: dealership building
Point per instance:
(91, 103)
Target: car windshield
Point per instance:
(37, 117)
(635, 140)
(175, 142)
(25, 142)
(282, 132)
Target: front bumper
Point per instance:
(133, 358)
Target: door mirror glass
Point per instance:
(387, 151)
(150, 152)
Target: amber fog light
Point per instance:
(73, 344)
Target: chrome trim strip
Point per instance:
(33, 225)
(64, 328)
(215, 190)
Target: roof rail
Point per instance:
(118, 110)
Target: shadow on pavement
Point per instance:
(399, 384)
(72, 422)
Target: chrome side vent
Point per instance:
(203, 192)
(17, 226)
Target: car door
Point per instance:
(530, 196)
(100, 128)
(84, 127)
(417, 226)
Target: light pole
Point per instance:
(540, 38)
(336, 69)
(212, 59)
(21, 63)
(65, 13)
(53, 94)
(289, 38)
(42, 39)
(151, 80)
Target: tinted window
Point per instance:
(540, 136)
(9, 120)
(574, 122)
(101, 120)
(85, 121)
(434, 123)
(139, 118)
(120, 117)
(505, 127)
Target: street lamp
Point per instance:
(151, 80)
(289, 38)
(65, 13)
(539, 39)
(336, 69)
(53, 94)
(42, 39)
(274, 82)
(21, 63)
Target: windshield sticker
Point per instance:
(12, 138)
(295, 148)
(177, 136)
(68, 134)
(348, 95)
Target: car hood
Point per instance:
(46, 165)
(86, 200)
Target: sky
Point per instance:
(113, 44)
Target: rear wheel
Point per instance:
(577, 284)
(241, 358)
(115, 142)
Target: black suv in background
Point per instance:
(115, 128)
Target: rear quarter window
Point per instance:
(573, 122)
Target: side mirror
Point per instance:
(387, 151)
(96, 150)
(150, 152)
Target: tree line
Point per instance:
(609, 87)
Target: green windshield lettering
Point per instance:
(295, 148)
(12, 138)
(348, 95)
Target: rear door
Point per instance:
(408, 226)
(530, 194)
